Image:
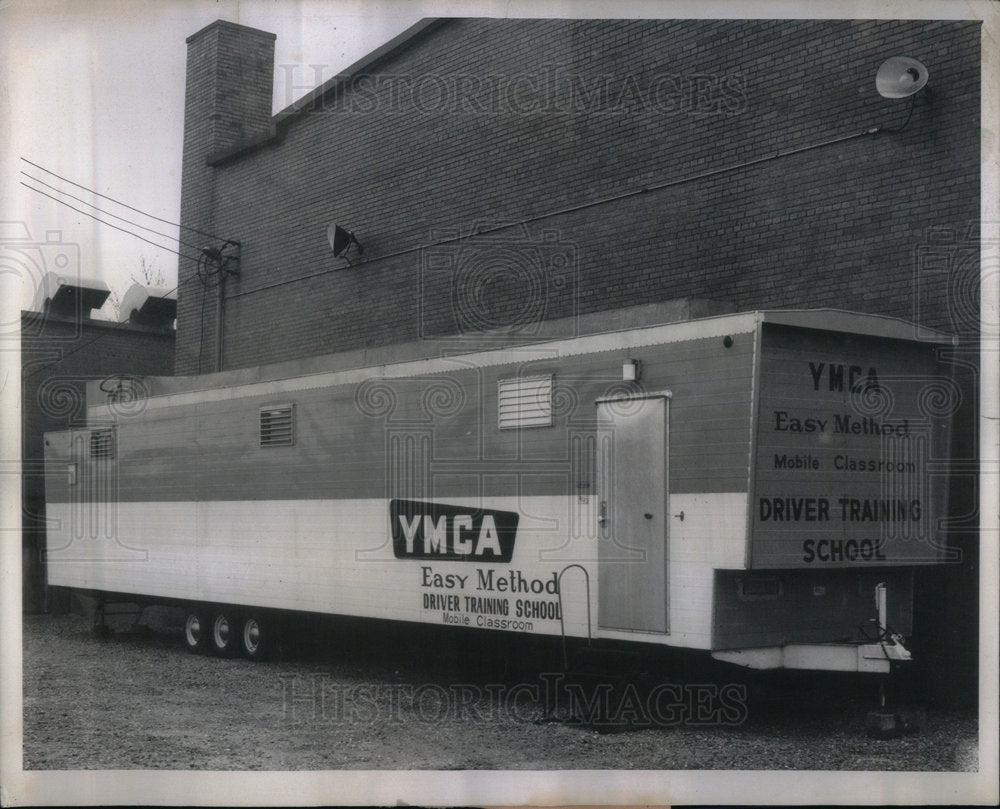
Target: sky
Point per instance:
(94, 92)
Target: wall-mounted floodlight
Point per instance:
(900, 77)
(341, 240)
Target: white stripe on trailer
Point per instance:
(336, 557)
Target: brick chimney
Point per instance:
(230, 75)
(227, 106)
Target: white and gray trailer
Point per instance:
(757, 485)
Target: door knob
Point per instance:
(648, 516)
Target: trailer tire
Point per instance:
(254, 637)
(196, 630)
(223, 635)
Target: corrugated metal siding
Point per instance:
(438, 435)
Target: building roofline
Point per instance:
(32, 317)
(335, 84)
(345, 76)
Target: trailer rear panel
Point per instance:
(851, 459)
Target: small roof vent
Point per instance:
(69, 296)
(148, 306)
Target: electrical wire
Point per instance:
(572, 209)
(113, 215)
(885, 633)
(109, 224)
(201, 273)
(124, 205)
(200, 260)
(580, 206)
(210, 278)
(902, 126)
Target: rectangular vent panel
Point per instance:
(277, 426)
(102, 444)
(525, 402)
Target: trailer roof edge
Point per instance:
(431, 356)
(870, 325)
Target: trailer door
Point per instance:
(632, 557)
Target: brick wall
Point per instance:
(475, 122)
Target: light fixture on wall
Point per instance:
(900, 77)
(341, 239)
(631, 370)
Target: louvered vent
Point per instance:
(277, 426)
(525, 402)
(102, 444)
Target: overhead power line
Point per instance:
(123, 204)
(199, 251)
(109, 224)
(108, 213)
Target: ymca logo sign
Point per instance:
(458, 533)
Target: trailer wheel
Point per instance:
(224, 629)
(196, 632)
(253, 637)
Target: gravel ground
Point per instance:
(365, 697)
